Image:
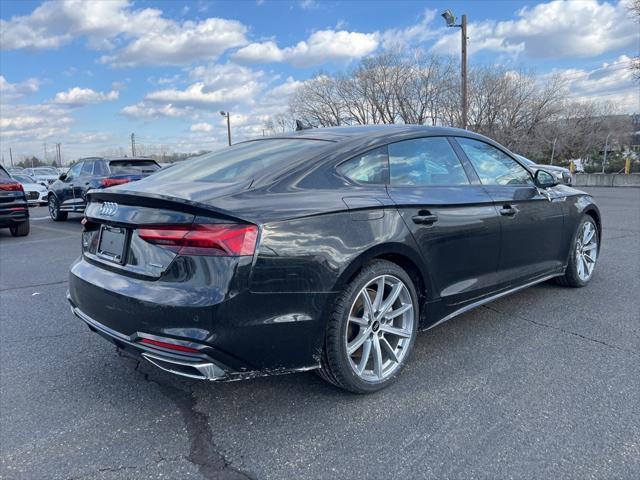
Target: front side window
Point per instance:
(425, 161)
(74, 171)
(370, 167)
(493, 166)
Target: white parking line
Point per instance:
(39, 218)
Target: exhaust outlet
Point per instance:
(200, 371)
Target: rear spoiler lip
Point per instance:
(128, 197)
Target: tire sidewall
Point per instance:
(572, 265)
(353, 382)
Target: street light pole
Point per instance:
(451, 22)
(463, 69)
(228, 115)
(553, 149)
(606, 147)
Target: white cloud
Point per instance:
(181, 44)
(78, 97)
(613, 82)
(321, 47)
(201, 127)
(148, 111)
(556, 29)
(398, 38)
(153, 39)
(13, 91)
(26, 122)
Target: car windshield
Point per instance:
(45, 171)
(242, 161)
(24, 178)
(120, 167)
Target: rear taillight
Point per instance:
(169, 346)
(226, 240)
(11, 187)
(110, 182)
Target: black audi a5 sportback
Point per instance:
(324, 249)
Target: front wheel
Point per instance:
(583, 256)
(372, 330)
(54, 210)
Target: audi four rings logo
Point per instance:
(108, 209)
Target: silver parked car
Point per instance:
(563, 175)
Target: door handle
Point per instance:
(508, 211)
(424, 218)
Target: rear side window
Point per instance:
(425, 161)
(99, 168)
(119, 167)
(87, 168)
(493, 166)
(371, 167)
(243, 161)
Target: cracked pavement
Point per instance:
(541, 384)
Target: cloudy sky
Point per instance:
(88, 73)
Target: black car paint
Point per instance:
(267, 313)
(14, 208)
(70, 192)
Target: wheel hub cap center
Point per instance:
(375, 326)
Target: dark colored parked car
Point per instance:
(14, 209)
(68, 193)
(325, 249)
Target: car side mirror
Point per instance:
(62, 176)
(544, 179)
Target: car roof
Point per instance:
(112, 159)
(370, 132)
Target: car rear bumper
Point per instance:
(14, 214)
(238, 333)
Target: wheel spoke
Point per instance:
(357, 342)
(377, 357)
(368, 308)
(580, 266)
(585, 267)
(588, 248)
(393, 296)
(398, 311)
(398, 332)
(390, 351)
(588, 234)
(366, 353)
(589, 259)
(358, 320)
(379, 294)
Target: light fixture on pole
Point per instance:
(450, 18)
(228, 115)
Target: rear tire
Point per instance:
(54, 210)
(585, 248)
(20, 230)
(372, 329)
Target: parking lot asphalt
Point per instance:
(542, 384)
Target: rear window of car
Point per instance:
(129, 166)
(243, 161)
(45, 171)
(24, 179)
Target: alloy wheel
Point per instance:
(379, 328)
(586, 250)
(53, 207)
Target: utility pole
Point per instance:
(58, 154)
(45, 156)
(228, 115)
(553, 149)
(133, 144)
(606, 147)
(451, 22)
(463, 68)
(11, 156)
